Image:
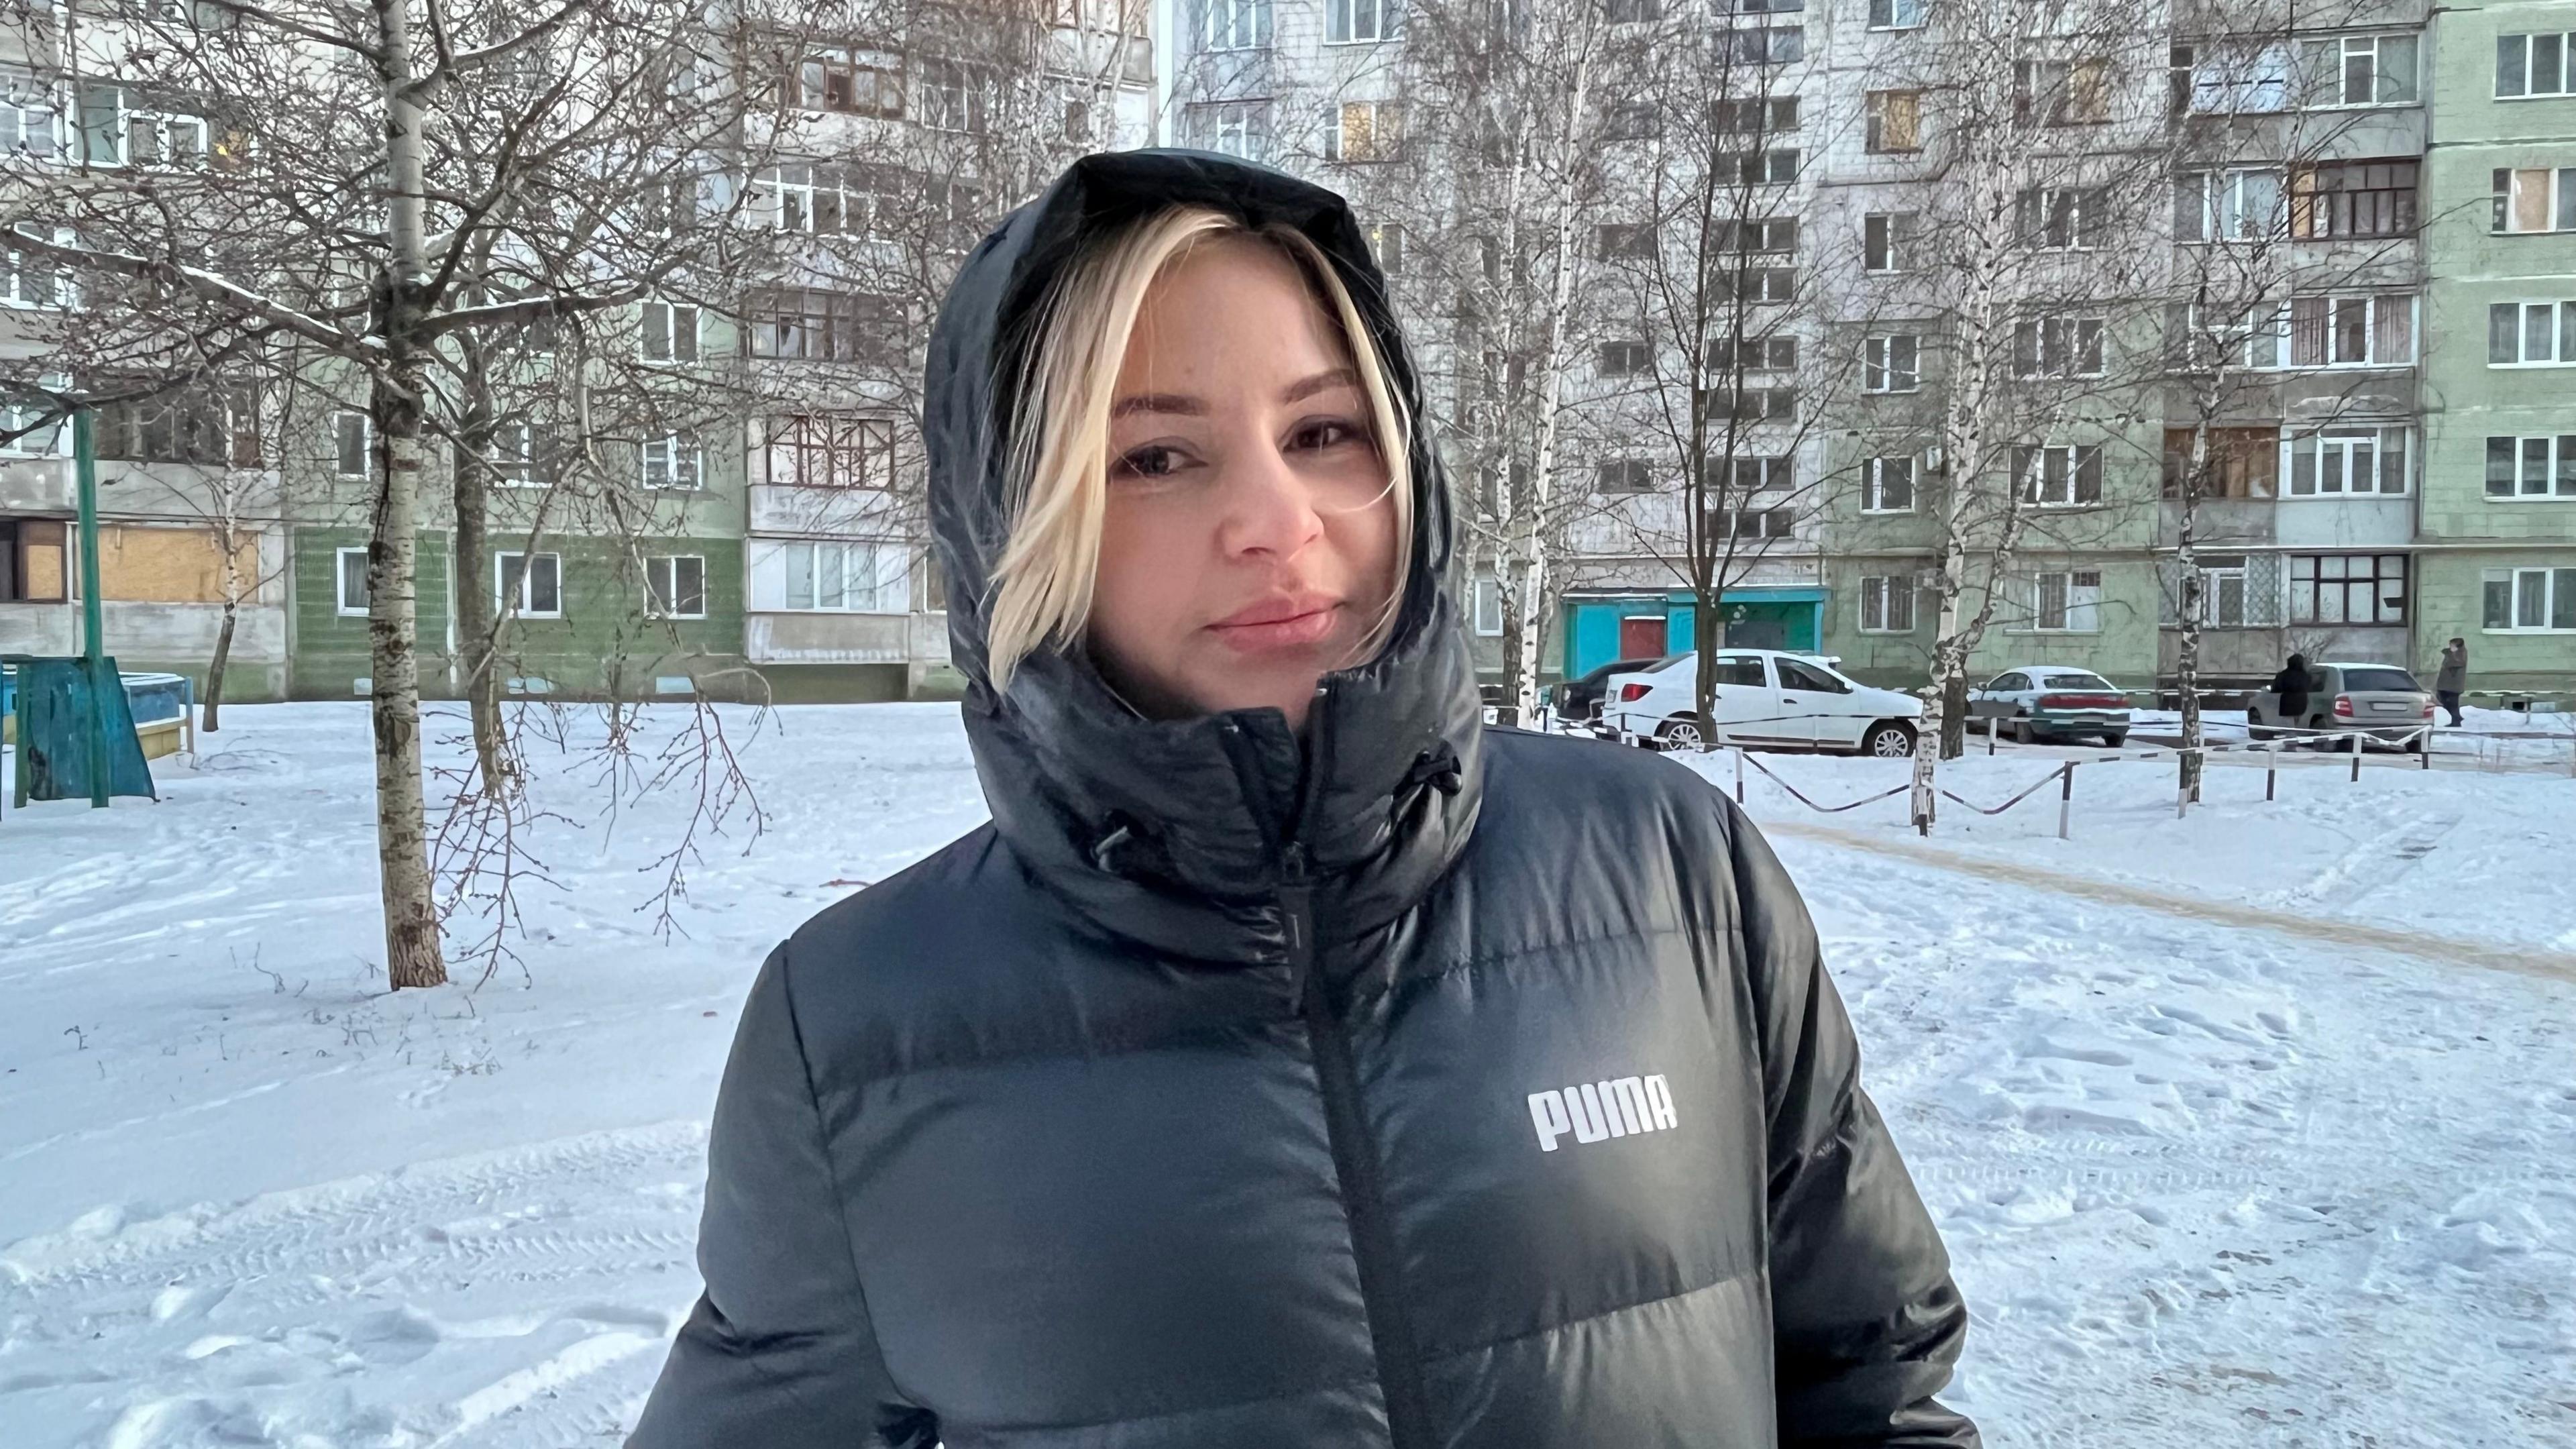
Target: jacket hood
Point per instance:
(1179, 833)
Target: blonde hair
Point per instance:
(1059, 444)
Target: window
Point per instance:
(1895, 122)
(1386, 243)
(1887, 604)
(353, 444)
(827, 450)
(1754, 116)
(854, 82)
(2340, 461)
(2065, 218)
(2225, 602)
(2231, 78)
(2355, 588)
(34, 561)
(1240, 129)
(1754, 354)
(1771, 45)
(2059, 476)
(827, 200)
(862, 578)
(1752, 404)
(1751, 525)
(1631, 121)
(1237, 24)
(1626, 359)
(2376, 331)
(952, 96)
(1767, 168)
(2242, 462)
(350, 573)
(2066, 601)
(1760, 475)
(1888, 486)
(1489, 607)
(1361, 131)
(675, 586)
(2226, 206)
(29, 125)
(673, 460)
(2062, 92)
(1625, 475)
(1624, 242)
(1758, 284)
(2535, 65)
(1892, 363)
(1632, 12)
(530, 584)
(2530, 600)
(1895, 14)
(670, 333)
(1759, 7)
(1885, 240)
(2057, 347)
(2531, 334)
(1773, 234)
(34, 439)
(2541, 467)
(209, 429)
(2353, 199)
(523, 455)
(2536, 198)
(2359, 70)
(806, 324)
(1351, 22)
(117, 131)
(35, 280)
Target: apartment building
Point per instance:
(2496, 551)
(2368, 194)
(752, 529)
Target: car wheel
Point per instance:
(2115, 738)
(2023, 734)
(1682, 734)
(1888, 741)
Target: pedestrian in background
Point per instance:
(2454, 677)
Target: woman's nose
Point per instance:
(1270, 508)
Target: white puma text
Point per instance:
(1593, 1111)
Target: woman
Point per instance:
(1290, 1062)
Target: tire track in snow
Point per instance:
(2523, 960)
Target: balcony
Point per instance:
(36, 485)
(836, 638)
(858, 512)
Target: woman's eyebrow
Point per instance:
(1188, 406)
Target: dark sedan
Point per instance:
(1578, 700)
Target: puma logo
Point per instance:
(1596, 1110)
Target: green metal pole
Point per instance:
(93, 622)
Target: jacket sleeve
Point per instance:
(1866, 1323)
(779, 1352)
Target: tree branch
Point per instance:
(198, 281)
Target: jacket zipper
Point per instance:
(1355, 1167)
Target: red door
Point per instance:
(1641, 636)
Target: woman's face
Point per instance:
(1249, 545)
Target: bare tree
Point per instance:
(1720, 300)
(1504, 229)
(385, 195)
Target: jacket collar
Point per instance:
(1181, 834)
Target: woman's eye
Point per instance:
(1329, 433)
(1151, 461)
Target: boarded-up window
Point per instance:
(169, 565)
(2243, 462)
(33, 566)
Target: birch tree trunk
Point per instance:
(1551, 382)
(2190, 605)
(412, 951)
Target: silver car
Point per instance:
(2378, 701)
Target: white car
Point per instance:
(2038, 702)
(1763, 697)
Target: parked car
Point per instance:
(2037, 702)
(1578, 700)
(1764, 697)
(2378, 701)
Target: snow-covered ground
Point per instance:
(2206, 1181)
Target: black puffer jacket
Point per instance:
(1419, 1086)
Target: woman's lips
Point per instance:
(1265, 627)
